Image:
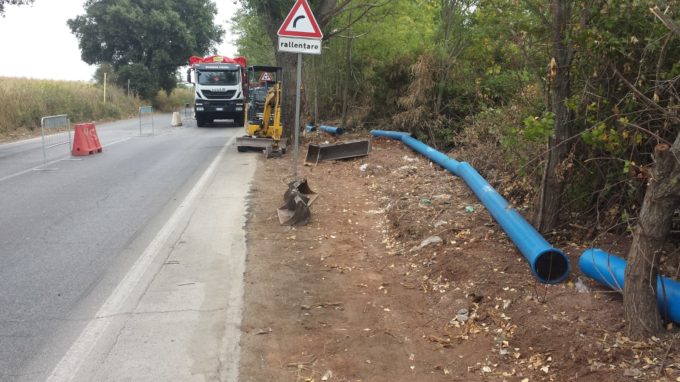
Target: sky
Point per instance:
(35, 41)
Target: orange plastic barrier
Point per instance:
(85, 141)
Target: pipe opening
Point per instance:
(551, 266)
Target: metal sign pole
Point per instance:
(296, 127)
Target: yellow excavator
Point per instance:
(263, 112)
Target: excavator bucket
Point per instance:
(301, 186)
(335, 151)
(295, 210)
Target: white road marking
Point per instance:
(40, 167)
(36, 168)
(69, 365)
(117, 142)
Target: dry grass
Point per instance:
(24, 101)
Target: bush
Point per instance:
(177, 99)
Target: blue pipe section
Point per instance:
(609, 270)
(549, 264)
(332, 129)
(310, 128)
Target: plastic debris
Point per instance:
(428, 241)
(363, 167)
(462, 315)
(442, 197)
(581, 287)
(469, 209)
(327, 376)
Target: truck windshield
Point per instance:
(221, 77)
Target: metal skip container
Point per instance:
(335, 151)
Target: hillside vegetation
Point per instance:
(570, 108)
(506, 83)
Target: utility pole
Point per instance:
(104, 88)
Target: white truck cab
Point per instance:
(218, 90)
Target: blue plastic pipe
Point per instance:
(609, 270)
(549, 264)
(332, 129)
(310, 128)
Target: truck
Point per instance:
(220, 88)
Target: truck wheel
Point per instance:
(200, 122)
(238, 121)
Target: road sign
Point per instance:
(299, 45)
(300, 22)
(266, 77)
(299, 33)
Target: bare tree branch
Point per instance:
(366, 8)
(536, 9)
(646, 99)
(327, 11)
(667, 21)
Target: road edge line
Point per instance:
(69, 365)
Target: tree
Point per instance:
(662, 198)
(111, 75)
(153, 37)
(252, 39)
(424, 103)
(12, 2)
(552, 185)
(272, 14)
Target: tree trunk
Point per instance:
(288, 63)
(348, 73)
(552, 185)
(661, 200)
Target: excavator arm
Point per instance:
(271, 127)
(263, 123)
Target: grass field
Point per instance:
(23, 102)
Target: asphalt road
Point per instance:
(115, 259)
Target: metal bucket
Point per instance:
(303, 188)
(295, 210)
(336, 151)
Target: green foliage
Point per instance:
(538, 129)
(157, 35)
(142, 80)
(12, 2)
(392, 32)
(469, 73)
(252, 39)
(111, 75)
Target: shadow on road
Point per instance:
(220, 123)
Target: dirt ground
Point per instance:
(352, 296)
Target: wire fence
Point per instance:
(55, 132)
(146, 120)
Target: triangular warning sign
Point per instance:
(266, 77)
(300, 22)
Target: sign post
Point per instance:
(299, 33)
